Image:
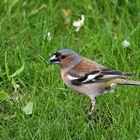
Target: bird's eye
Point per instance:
(63, 56)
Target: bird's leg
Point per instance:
(92, 106)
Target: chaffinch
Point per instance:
(88, 77)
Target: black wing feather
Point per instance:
(100, 76)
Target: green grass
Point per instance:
(59, 113)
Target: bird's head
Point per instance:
(65, 57)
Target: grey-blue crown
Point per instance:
(67, 51)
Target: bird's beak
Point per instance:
(54, 60)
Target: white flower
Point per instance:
(79, 23)
(125, 43)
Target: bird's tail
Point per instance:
(128, 82)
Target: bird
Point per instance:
(85, 76)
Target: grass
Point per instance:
(59, 113)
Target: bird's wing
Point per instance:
(98, 75)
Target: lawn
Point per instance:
(34, 102)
